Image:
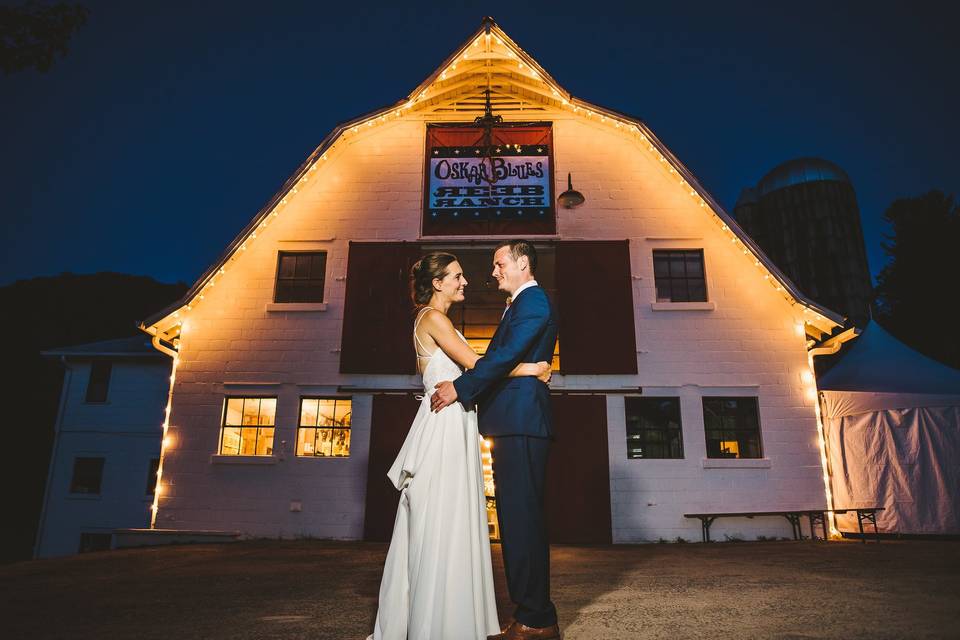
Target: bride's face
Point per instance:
(453, 282)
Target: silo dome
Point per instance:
(799, 171)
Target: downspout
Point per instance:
(41, 523)
(829, 347)
(155, 507)
(155, 341)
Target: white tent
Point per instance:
(891, 418)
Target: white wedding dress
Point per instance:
(438, 577)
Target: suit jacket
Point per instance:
(514, 406)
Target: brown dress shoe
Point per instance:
(506, 627)
(520, 631)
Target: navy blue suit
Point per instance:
(516, 413)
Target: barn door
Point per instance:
(578, 472)
(391, 419)
(593, 276)
(378, 313)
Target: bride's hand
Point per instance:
(544, 371)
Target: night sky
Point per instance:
(168, 125)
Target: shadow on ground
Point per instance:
(319, 590)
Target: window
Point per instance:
(653, 428)
(732, 427)
(678, 274)
(152, 476)
(247, 428)
(87, 475)
(99, 381)
(94, 542)
(300, 276)
(324, 428)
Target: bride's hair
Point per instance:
(433, 265)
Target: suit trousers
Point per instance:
(519, 468)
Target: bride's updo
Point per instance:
(433, 265)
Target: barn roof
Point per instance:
(490, 59)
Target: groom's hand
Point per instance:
(444, 396)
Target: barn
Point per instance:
(294, 377)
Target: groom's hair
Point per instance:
(521, 248)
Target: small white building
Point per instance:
(106, 446)
(683, 381)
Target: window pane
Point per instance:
(234, 411)
(697, 291)
(694, 264)
(268, 411)
(732, 427)
(303, 266)
(248, 441)
(305, 441)
(288, 265)
(343, 413)
(653, 428)
(308, 412)
(251, 411)
(318, 266)
(661, 267)
(231, 441)
(324, 442)
(326, 411)
(87, 475)
(676, 266)
(341, 442)
(265, 442)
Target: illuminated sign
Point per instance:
(501, 188)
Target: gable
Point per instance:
(519, 89)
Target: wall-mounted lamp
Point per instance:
(570, 198)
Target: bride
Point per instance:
(438, 578)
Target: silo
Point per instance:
(804, 216)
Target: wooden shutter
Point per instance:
(378, 313)
(597, 333)
(390, 422)
(578, 472)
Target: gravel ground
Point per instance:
(310, 589)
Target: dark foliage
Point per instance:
(918, 292)
(44, 313)
(32, 35)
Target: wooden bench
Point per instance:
(814, 517)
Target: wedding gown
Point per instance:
(438, 577)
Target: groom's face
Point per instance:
(508, 272)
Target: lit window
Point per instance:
(324, 427)
(732, 427)
(654, 428)
(300, 276)
(247, 428)
(678, 275)
(99, 381)
(87, 475)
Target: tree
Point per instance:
(918, 292)
(32, 35)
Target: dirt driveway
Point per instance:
(318, 589)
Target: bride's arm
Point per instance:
(440, 328)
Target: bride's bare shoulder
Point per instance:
(433, 319)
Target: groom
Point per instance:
(516, 413)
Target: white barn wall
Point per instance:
(372, 190)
